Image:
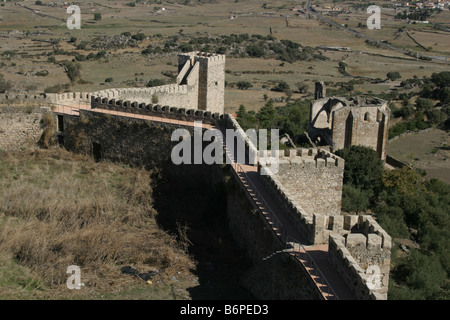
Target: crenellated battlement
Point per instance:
(155, 110)
(363, 258)
(22, 97)
(204, 56)
(311, 156)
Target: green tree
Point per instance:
(422, 273)
(355, 199)
(282, 86)
(436, 116)
(243, 85)
(302, 87)
(393, 75)
(403, 180)
(424, 104)
(155, 83)
(138, 36)
(441, 79)
(255, 51)
(363, 168)
(266, 116)
(443, 94)
(247, 120)
(73, 70)
(97, 16)
(391, 218)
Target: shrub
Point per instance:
(424, 104)
(73, 70)
(255, 51)
(355, 199)
(243, 85)
(139, 36)
(393, 75)
(4, 84)
(155, 83)
(282, 86)
(42, 73)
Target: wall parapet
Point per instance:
(156, 110)
(13, 97)
(300, 219)
(356, 277)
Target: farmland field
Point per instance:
(30, 37)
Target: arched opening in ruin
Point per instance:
(348, 131)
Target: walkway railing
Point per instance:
(263, 206)
(293, 246)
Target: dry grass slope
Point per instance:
(59, 209)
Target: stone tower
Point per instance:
(341, 123)
(211, 78)
(320, 90)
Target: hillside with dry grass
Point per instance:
(59, 209)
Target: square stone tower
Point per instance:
(341, 123)
(211, 78)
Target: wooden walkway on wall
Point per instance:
(314, 258)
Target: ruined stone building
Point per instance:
(341, 123)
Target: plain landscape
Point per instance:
(275, 52)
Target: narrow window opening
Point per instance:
(366, 116)
(60, 139)
(97, 151)
(60, 123)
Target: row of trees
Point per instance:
(242, 45)
(418, 14)
(293, 118)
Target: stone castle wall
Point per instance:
(156, 110)
(355, 254)
(298, 184)
(307, 185)
(355, 242)
(21, 127)
(200, 85)
(314, 178)
(145, 143)
(273, 275)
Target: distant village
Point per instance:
(439, 4)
